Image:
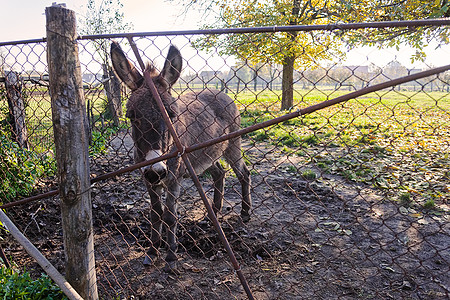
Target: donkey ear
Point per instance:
(172, 67)
(126, 71)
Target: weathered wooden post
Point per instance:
(112, 89)
(70, 127)
(16, 108)
(115, 86)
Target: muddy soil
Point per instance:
(322, 238)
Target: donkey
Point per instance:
(196, 117)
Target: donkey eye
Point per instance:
(136, 122)
(131, 114)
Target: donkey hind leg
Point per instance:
(156, 221)
(243, 175)
(234, 157)
(218, 175)
(170, 219)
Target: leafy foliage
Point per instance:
(100, 140)
(18, 286)
(302, 50)
(20, 169)
(105, 18)
(272, 47)
(260, 47)
(373, 11)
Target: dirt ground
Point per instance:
(323, 238)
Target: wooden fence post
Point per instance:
(115, 86)
(112, 89)
(16, 108)
(70, 127)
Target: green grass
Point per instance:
(395, 141)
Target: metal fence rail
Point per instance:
(350, 200)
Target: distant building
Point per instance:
(91, 78)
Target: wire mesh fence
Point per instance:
(348, 202)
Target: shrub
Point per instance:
(20, 169)
(14, 285)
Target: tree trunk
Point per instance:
(112, 89)
(70, 126)
(116, 94)
(255, 79)
(16, 109)
(287, 84)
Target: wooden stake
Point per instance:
(41, 260)
(70, 126)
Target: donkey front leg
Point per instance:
(218, 175)
(170, 218)
(156, 214)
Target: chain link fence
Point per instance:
(350, 201)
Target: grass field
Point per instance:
(398, 142)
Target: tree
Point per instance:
(352, 11)
(300, 49)
(105, 18)
(289, 49)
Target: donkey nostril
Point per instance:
(162, 174)
(154, 177)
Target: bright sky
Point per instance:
(25, 19)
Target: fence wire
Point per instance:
(348, 202)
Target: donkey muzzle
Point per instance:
(156, 172)
(153, 175)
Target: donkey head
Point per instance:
(149, 131)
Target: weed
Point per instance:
(323, 166)
(405, 199)
(292, 169)
(311, 140)
(308, 174)
(301, 153)
(430, 204)
(349, 175)
(100, 139)
(260, 135)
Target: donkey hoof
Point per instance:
(171, 267)
(245, 217)
(149, 260)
